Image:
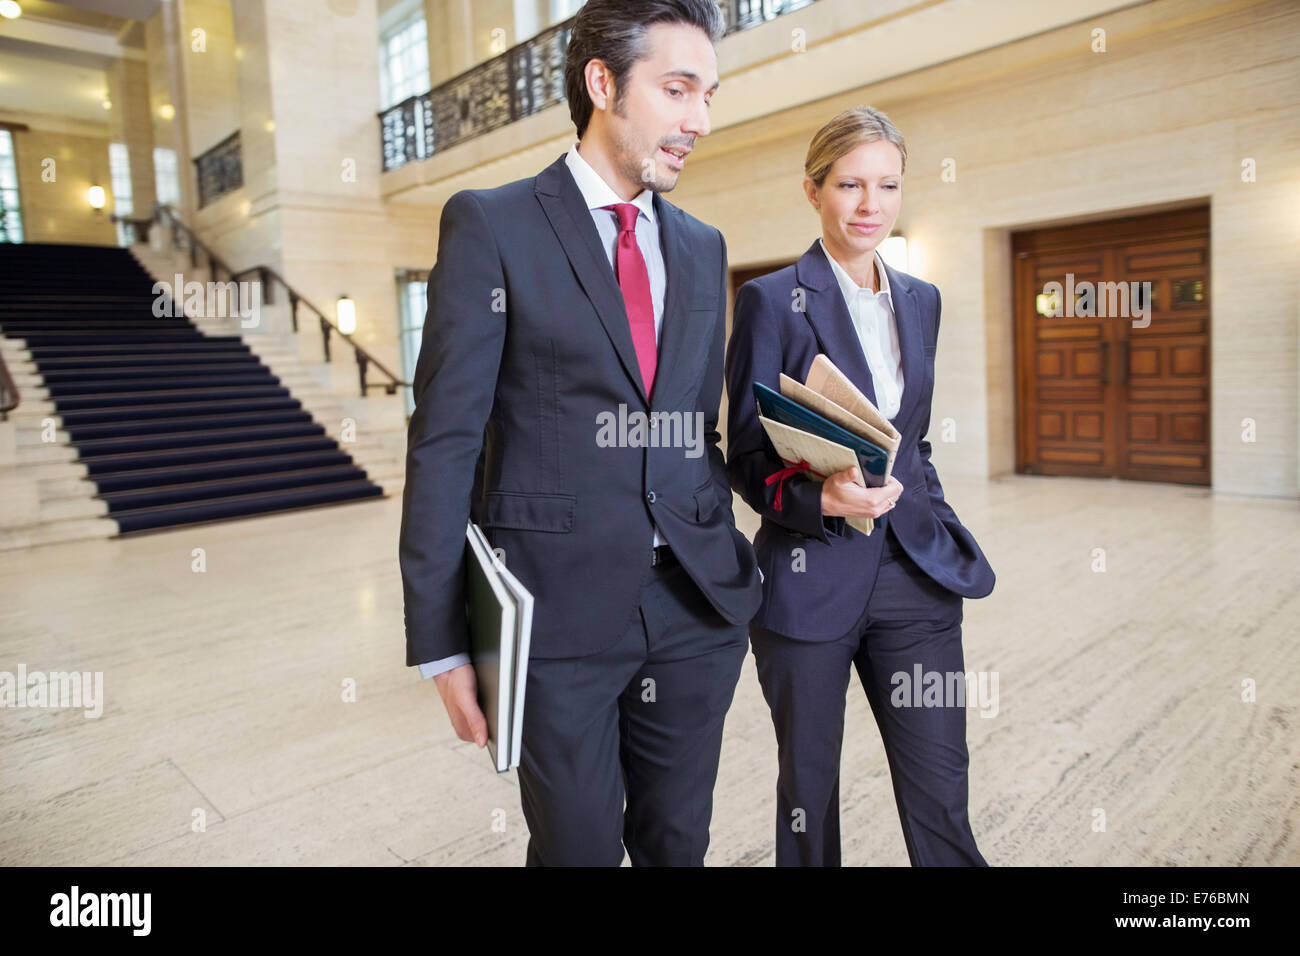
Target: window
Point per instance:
(561, 10)
(166, 182)
(119, 171)
(411, 307)
(403, 59)
(526, 25)
(11, 220)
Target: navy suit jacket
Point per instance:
(820, 592)
(526, 345)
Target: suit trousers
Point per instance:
(909, 620)
(640, 721)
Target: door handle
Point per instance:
(1105, 363)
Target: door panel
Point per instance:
(1097, 396)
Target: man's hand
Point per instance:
(458, 688)
(842, 495)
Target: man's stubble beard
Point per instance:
(629, 156)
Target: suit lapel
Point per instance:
(827, 312)
(562, 202)
(829, 315)
(911, 342)
(683, 335)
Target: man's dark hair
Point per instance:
(613, 31)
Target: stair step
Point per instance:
(204, 346)
(119, 501)
(266, 502)
(80, 434)
(146, 364)
(71, 403)
(107, 338)
(179, 410)
(44, 453)
(127, 480)
(167, 457)
(57, 532)
(51, 471)
(60, 389)
(55, 489)
(173, 440)
(65, 508)
(249, 366)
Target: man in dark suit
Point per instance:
(567, 397)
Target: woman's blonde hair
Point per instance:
(849, 129)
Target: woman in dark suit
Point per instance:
(888, 603)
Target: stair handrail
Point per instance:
(164, 212)
(10, 397)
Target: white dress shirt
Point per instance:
(596, 193)
(874, 321)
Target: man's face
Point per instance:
(663, 106)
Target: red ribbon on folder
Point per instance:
(793, 468)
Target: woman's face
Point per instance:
(860, 198)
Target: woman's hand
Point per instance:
(843, 496)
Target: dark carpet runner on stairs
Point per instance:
(173, 426)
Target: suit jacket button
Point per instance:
(650, 497)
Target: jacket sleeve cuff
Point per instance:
(801, 510)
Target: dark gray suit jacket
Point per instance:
(526, 344)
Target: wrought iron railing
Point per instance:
(182, 236)
(133, 229)
(525, 79)
(220, 170)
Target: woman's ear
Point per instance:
(810, 190)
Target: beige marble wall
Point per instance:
(461, 33)
(206, 49)
(130, 123)
(168, 103)
(256, 113)
(56, 210)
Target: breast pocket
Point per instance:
(526, 511)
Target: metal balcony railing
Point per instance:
(220, 170)
(524, 80)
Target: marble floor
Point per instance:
(256, 709)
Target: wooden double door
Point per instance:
(1120, 385)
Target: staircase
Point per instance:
(131, 422)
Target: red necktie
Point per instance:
(634, 281)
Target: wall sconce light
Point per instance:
(108, 104)
(10, 10)
(167, 111)
(347, 315)
(894, 251)
(95, 196)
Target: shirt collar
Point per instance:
(847, 285)
(596, 192)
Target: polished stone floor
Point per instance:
(257, 711)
